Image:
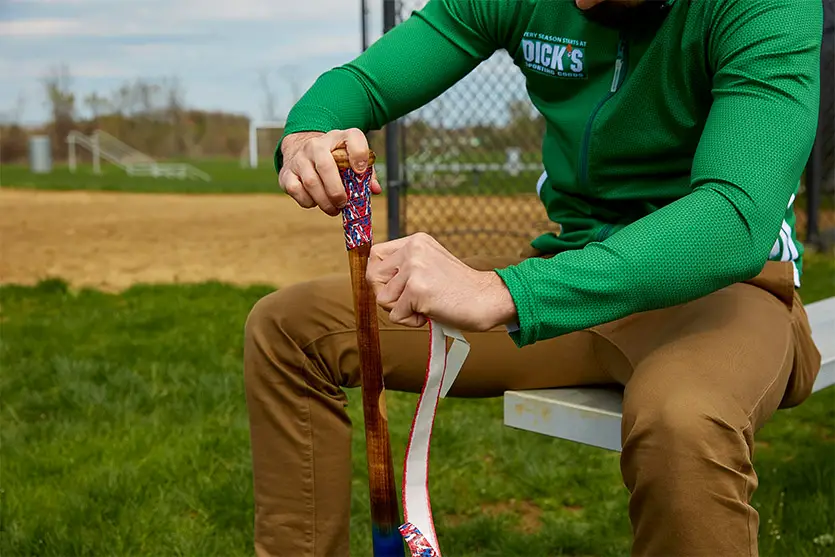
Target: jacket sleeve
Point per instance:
(409, 66)
(764, 57)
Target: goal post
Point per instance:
(254, 126)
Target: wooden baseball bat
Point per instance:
(356, 218)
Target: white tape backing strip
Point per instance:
(441, 371)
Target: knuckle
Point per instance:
(286, 172)
(417, 247)
(292, 189)
(417, 286)
(312, 145)
(321, 154)
(309, 183)
(310, 178)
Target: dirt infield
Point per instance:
(113, 240)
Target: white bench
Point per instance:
(592, 415)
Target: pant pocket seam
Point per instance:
(747, 485)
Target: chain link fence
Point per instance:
(472, 158)
(820, 172)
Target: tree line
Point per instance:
(149, 115)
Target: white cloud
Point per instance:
(215, 47)
(99, 69)
(53, 2)
(57, 2)
(126, 18)
(316, 45)
(283, 12)
(40, 28)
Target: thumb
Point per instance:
(403, 314)
(376, 188)
(354, 142)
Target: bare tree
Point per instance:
(146, 94)
(121, 100)
(97, 105)
(175, 112)
(13, 138)
(291, 74)
(268, 109)
(61, 102)
(174, 93)
(59, 96)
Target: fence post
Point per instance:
(96, 154)
(814, 170)
(253, 144)
(71, 158)
(393, 170)
(364, 24)
(819, 166)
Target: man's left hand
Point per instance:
(416, 279)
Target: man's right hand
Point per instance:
(310, 175)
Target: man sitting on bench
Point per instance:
(677, 133)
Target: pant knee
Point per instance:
(276, 312)
(299, 314)
(683, 435)
(289, 334)
(687, 465)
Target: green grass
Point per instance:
(229, 177)
(124, 432)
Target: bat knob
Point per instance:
(341, 157)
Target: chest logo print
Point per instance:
(555, 56)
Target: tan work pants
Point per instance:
(700, 379)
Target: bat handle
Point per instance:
(356, 219)
(356, 216)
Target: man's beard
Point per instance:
(620, 14)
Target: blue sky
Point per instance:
(215, 47)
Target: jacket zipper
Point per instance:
(621, 67)
(603, 233)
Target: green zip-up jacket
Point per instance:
(672, 151)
